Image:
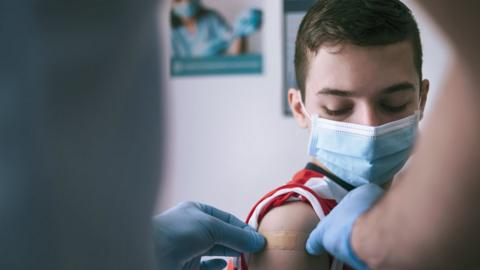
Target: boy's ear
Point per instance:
(294, 101)
(425, 87)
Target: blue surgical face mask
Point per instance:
(362, 154)
(186, 9)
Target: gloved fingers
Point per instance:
(231, 232)
(223, 216)
(219, 250)
(253, 16)
(257, 15)
(244, 239)
(368, 193)
(314, 245)
(248, 22)
(341, 219)
(213, 264)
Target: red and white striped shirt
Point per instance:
(308, 186)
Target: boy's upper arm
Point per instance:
(286, 229)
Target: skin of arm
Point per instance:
(429, 219)
(238, 46)
(286, 229)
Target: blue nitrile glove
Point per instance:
(333, 233)
(247, 23)
(191, 230)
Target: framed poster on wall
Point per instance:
(293, 13)
(215, 37)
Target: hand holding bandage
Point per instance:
(191, 230)
(333, 233)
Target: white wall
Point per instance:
(228, 140)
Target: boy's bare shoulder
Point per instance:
(286, 229)
(296, 216)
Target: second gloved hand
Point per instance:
(191, 230)
(333, 233)
(247, 23)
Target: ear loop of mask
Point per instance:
(309, 116)
(337, 180)
(420, 111)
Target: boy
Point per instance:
(361, 94)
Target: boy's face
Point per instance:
(362, 85)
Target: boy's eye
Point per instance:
(337, 112)
(394, 109)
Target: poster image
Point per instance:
(216, 37)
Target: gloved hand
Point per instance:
(191, 230)
(247, 23)
(333, 233)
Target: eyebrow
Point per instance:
(404, 86)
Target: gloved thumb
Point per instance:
(314, 244)
(213, 264)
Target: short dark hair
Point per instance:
(359, 22)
